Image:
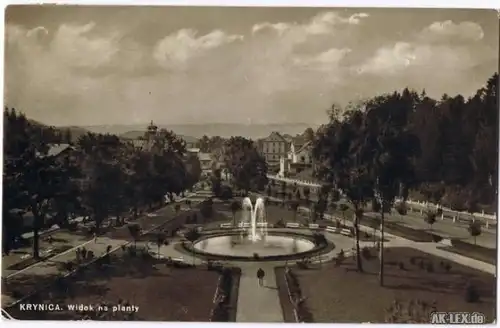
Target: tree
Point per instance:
(205, 144)
(269, 191)
(474, 230)
(135, 232)
(34, 181)
(160, 240)
(193, 170)
(309, 134)
(235, 207)
(339, 164)
(192, 235)
(402, 209)
(343, 208)
(216, 181)
(42, 180)
(389, 149)
(283, 190)
(294, 205)
(247, 167)
(103, 190)
(430, 218)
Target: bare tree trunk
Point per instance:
(359, 263)
(381, 257)
(36, 236)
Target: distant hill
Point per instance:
(132, 134)
(76, 131)
(253, 131)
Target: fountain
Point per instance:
(254, 216)
(251, 237)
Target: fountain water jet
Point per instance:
(254, 215)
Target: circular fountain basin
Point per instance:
(274, 246)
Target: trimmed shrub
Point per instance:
(471, 293)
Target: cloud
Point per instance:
(179, 47)
(440, 46)
(73, 46)
(447, 30)
(268, 71)
(278, 27)
(321, 24)
(324, 60)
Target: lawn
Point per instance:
(161, 292)
(342, 295)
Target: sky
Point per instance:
(88, 65)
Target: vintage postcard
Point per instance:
(250, 164)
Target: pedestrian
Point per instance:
(260, 277)
(95, 237)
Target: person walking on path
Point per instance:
(260, 277)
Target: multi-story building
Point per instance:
(300, 152)
(274, 147)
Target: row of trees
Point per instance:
(381, 149)
(100, 176)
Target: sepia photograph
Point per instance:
(250, 164)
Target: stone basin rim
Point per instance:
(318, 249)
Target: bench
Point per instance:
(313, 226)
(292, 225)
(244, 225)
(262, 224)
(331, 229)
(446, 242)
(226, 225)
(346, 232)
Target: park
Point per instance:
(163, 262)
(277, 165)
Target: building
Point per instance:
(58, 150)
(274, 147)
(205, 162)
(300, 153)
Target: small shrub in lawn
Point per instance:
(302, 265)
(145, 255)
(429, 267)
(17, 294)
(340, 258)
(471, 293)
(447, 267)
(401, 266)
(413, 260)
(131, 251)
(365, 253)
(255, 256)
(108, 248)
(124, 248)
(421, 264)
(90, 255)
